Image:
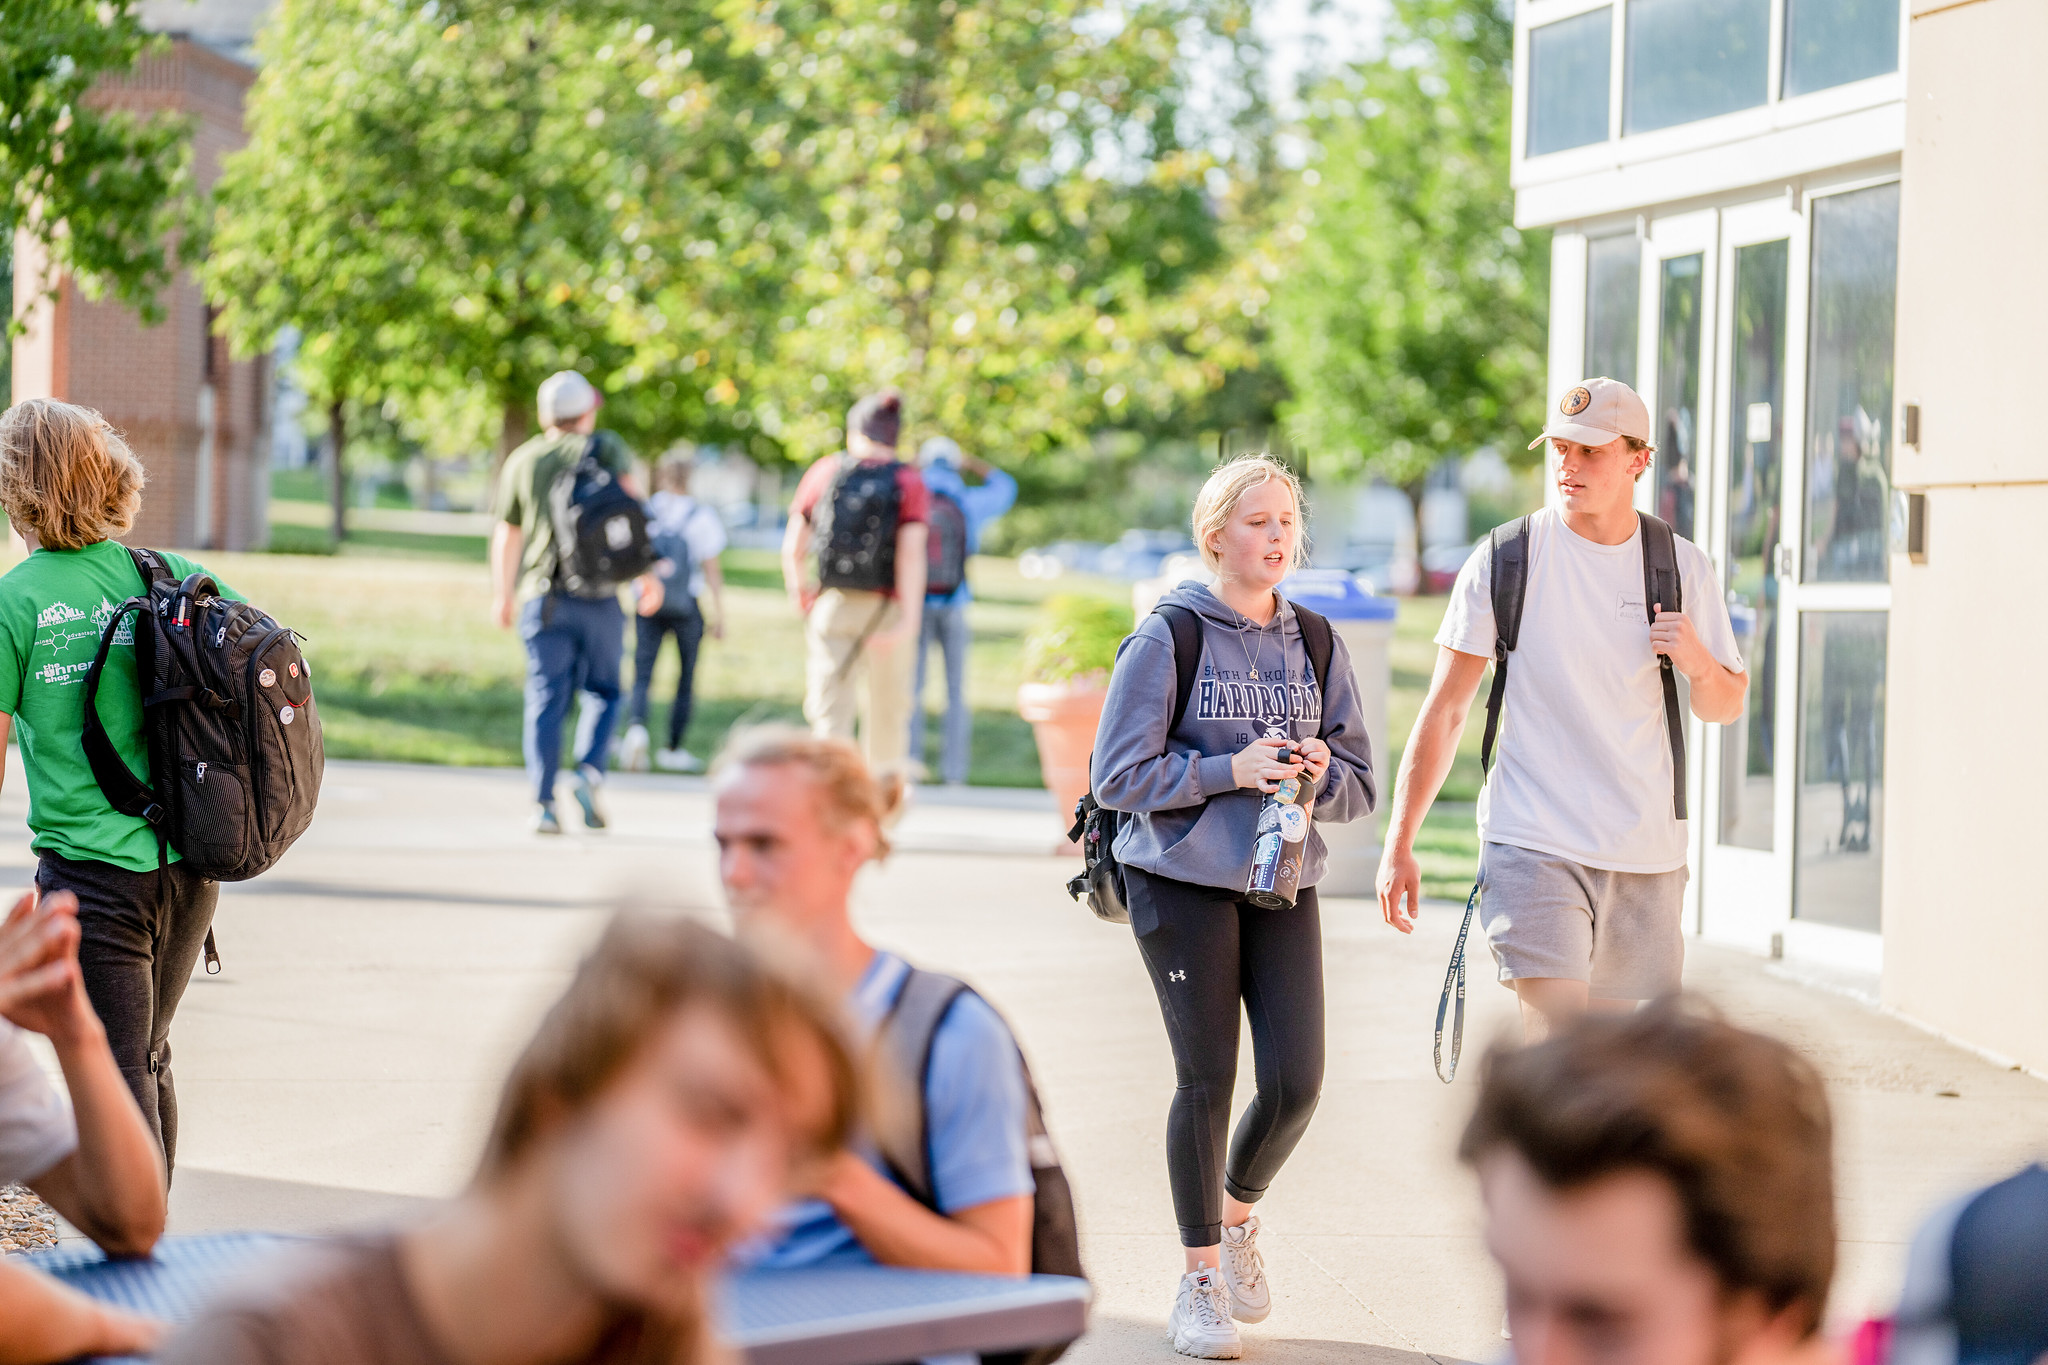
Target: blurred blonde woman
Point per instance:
(1191, 793)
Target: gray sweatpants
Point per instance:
(1547, 916)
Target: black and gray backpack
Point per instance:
(600, 529)
(235, 757)
(854, 526)
(906, 1043)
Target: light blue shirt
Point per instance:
(981, 505)
(975, 1108)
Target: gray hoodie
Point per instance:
(1192, 822)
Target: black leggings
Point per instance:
(1207, 948)
(139, 936)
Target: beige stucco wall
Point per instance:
(1965, 903)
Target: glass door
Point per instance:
(1759, 338)
(1843, 595)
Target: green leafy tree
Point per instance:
(104, 193)
(993, 206)
(431, 195)
(1411, 322)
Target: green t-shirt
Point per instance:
(53, 606)
(522, 496)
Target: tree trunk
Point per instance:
(518, 426)
(337, 468)
(1416, 489)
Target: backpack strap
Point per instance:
(124, 791)
(1316, 637)
(1509, 565)
(1187, 656)
(1663, 586)
(905, 1045)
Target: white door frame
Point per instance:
(1746, 894)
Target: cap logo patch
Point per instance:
(1576, 402)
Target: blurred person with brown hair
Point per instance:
(798, 817)
(69, 484)
(681, 1086)
(689, 536)
(1659, 1190)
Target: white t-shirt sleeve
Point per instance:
(1468, 621)
(1706, 606)
(37, 1129)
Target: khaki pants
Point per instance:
(845, 674)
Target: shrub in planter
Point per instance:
(1067, 658)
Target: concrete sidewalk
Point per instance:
(343, 1065)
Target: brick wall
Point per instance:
(208, 479)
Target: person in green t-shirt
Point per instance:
(573, 644)
(68, 482)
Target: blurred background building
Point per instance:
(1728, 182)
(199, 419)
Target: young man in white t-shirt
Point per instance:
(1582, 854)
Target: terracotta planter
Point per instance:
(1063, 717)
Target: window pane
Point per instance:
(1841, 767)
(1568, 82)
(1755, 430)
(1693, 59)
(1833, 42)
(1678, 388)
(1614, 274)
(1849, 385)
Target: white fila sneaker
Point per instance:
(1244, 1271)
(1200, 1324)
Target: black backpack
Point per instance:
(1101, 879)
(854, 526)
(948, 545)
(235, 757)
(1662, 584)
(600, 529)
(906, 1041)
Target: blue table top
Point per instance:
(828, 1315)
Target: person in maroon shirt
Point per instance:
(853, 561)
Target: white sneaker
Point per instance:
(1200, 1325)
(678, 761)
(583, 785)
(1244, 1270)
(634, 748)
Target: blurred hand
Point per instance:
(651, 593)
(120, 1333)
(1400, 875)
(1258, 764)
(501, 612)
(715, 627)
(40, 986)
(805, 598)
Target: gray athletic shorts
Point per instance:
(1549, 916)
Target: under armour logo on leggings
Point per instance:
(1176, 976)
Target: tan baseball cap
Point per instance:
(1595, 411)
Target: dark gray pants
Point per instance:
(139, 936)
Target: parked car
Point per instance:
(1441, 563)
(1379, 566)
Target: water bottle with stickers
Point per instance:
(1280, 845)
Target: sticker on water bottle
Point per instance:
(1293, 824)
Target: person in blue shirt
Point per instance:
(945, 613)
(798, 817)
